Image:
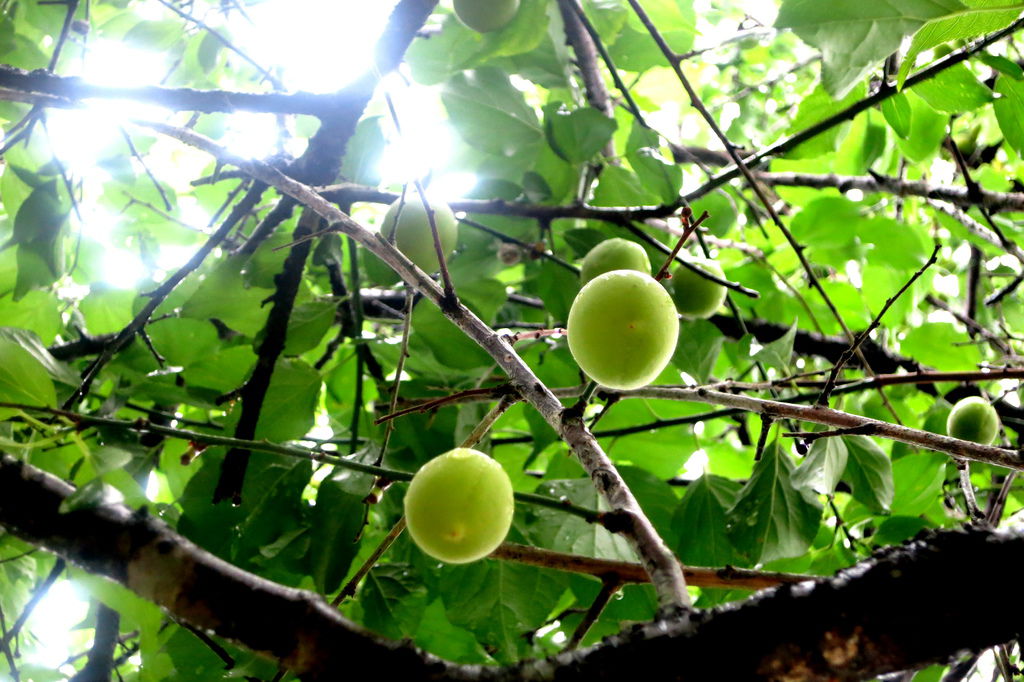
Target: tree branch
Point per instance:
(287, 282)
(69, 92)
(959, 196)
(882, 615)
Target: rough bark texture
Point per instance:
(902, 609)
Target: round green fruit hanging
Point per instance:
(614, 254)
(408, 225)
(973, 419)
(459, 506)
(485, 16)
(697, 297)
(622, 329)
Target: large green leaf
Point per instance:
(773, 517)
(577, 135)
(1008, 108)
(854, 36)
(23, 379)
(490, 113)
(499, 601)
(978, 17)
(338, 519)
(869, 472)
(699, 524)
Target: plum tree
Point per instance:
(408, 224)
(459, 506)
(695, 296)
(614, 254)
(486, 15)
(973, 419)
(622, 329)
(249, 379)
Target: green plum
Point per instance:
(623, 329)
(614, 254)
(459, 506)
(973, 419)
(484, 16)
(411, 230)
(697, 297)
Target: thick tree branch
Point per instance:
(885, 614)
(287, 282)
(51, 90)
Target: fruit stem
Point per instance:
(576, 411)
(689, 228)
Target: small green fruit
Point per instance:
(622, 329)
(973, 419)
(411, 230)
(484, 16)
(614, 254)
(459, 506)
(697, 297)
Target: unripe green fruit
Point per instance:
(411, 230)
(614, 254)
(486, 15)
(459, 506)
(697, 297)
(973, 419)
(622, 329)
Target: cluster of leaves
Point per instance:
(523, 125)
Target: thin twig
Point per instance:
(830, 383)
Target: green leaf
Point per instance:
(815, 108)
(242, 311)
(571, 534)
(635, 50)
(23, 379)
(1002, 65)
(917, 480)
(897, 113)
(699, 524)
(895, 244)
(290, 401)
(522, 34)
(182, 341)
(445, 341)
(980, 16)
(869, 473)
(927, 130)
(437, 634)
(577, 135)
(364, 152)
(643, 153)
(697, 349)
(490, 113)
(308, 324)
(499, 601)
(30, 342)
(940, 345)
(394, 599)
(1008, 108)
(854, 36)
(778, 353)
(823, 467)
(774, 518)
(337, 524)
(954, 91)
